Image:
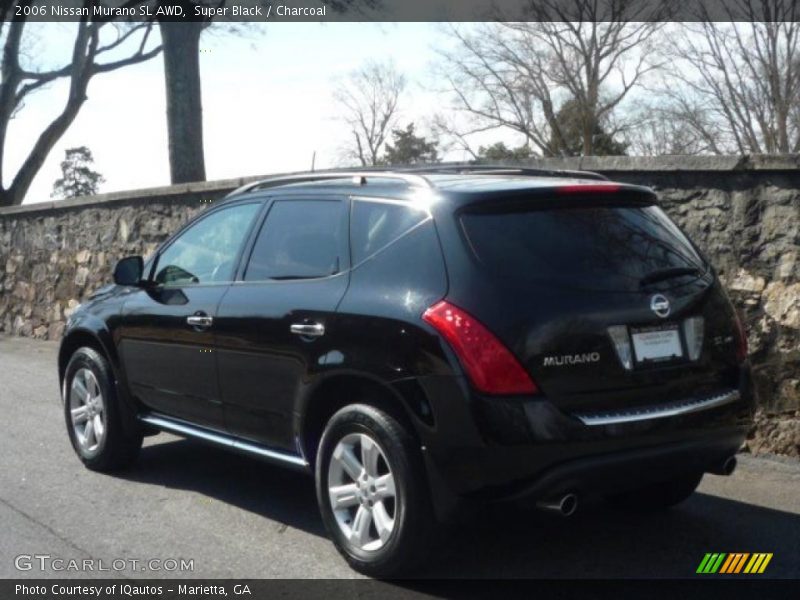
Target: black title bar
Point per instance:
(260, 11)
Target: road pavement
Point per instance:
(236, 517)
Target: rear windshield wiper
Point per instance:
(293, 277)
(670, 273)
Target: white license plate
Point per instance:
(662, 344)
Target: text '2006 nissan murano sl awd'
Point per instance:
(420, 341)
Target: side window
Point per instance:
(300, 239)
(206, 252)
(375, 225)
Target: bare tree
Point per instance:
(181, 40)
(519, 75)
(654, 131)
(454, 134)
(369, 100)
(737, 85)
(19, 80)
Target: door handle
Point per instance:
(307, 329)
(202, 321)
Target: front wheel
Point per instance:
(93, 416)
(372, 492)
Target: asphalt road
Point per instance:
(239, 518)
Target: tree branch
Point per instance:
(17, 83)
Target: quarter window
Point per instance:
(207, 251)
(300, 239)
(375, 225)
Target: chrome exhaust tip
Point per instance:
(566, 505)
(725, 468)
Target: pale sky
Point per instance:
(267, 102)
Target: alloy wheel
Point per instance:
(87, 410)
(361, 490)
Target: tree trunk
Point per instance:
(7, 198)
(588, 136)
(181, 43)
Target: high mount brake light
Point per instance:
(489, 364)
(588, 188)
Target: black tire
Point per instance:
(661, 495)
(116, 449)
(414, 524)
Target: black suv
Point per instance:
(421, 341)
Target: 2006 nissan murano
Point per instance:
(421, 341)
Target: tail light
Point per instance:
(489, 364)
(741, 340)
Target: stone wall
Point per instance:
(743, 211)
(53, 254)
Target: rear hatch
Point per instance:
(599, 295)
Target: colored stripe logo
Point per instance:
(734, 563)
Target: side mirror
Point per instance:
(128, 271)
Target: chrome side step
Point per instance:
(659, 411)
(221, 439)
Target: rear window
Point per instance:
(596, 247)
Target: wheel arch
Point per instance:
(78, 338)
(100, 341)
(320, 401)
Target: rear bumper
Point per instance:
(628, 469)
(494, 449)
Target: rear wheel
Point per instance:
(92, 414)
(661, 495)
(372, 492)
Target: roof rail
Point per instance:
(507, 170)
(358, 177)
